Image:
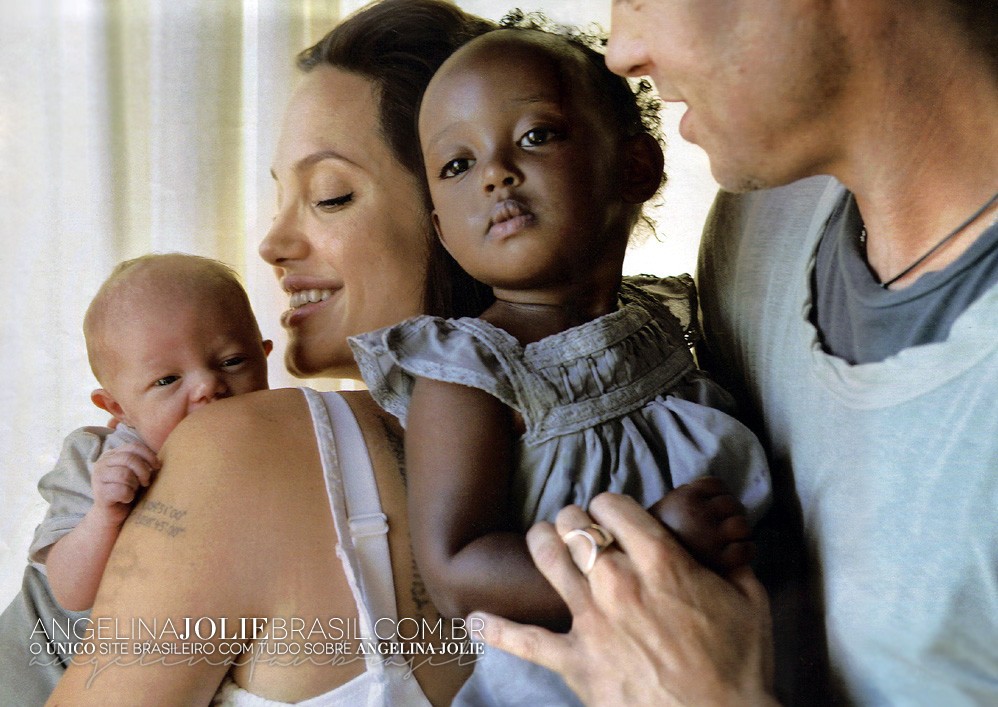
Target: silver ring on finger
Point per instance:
(599, 539)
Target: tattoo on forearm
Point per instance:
(396, 445)
(161, 517)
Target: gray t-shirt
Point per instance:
(861, 322)
(892, 464)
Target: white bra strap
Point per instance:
(368, 523)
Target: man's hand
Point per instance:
(651, 626)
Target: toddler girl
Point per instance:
(571, 383)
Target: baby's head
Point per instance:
(167, 334)
(538, 157)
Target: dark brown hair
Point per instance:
(979, 18)
(398, 45)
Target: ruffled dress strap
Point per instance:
(562, 384)
(465, 351)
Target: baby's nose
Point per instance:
(208, 388)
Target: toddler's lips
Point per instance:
(509, 216)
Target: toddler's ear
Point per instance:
(102, 399)
(268, 346)
(642, 168)
(436, 227)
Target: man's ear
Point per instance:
(103, 399)
(268, 346)
(642, 168)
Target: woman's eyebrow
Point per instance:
(316, 157)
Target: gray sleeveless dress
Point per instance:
(616, 404)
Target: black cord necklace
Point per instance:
(945, 239)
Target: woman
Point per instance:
(255, 540)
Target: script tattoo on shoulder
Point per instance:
(396, 445)
(161, 517)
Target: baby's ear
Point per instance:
(102, 399)
(642, 168)
(268, 346)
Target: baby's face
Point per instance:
(172, 358)
(520, 166)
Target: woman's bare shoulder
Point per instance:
(233, 473)
(236, 421)
(240, 435)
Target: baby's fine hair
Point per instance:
(192, 275)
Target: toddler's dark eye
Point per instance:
(166, 380)
(233, 361)
(536, 137)
(456, 167)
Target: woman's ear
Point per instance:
(642, 168)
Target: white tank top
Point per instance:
(362, 530)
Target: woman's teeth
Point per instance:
(303, 297)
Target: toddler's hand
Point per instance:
(117, 476)
(709, 522)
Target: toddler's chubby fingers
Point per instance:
(724, 505)
(636, 531)
(736, 554)
(707, 486)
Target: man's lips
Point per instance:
(508, 217)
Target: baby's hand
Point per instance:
(709, 522)
(118, 474)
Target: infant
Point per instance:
(166, 334)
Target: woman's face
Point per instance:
(350, 240)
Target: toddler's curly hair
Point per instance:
(633, 104)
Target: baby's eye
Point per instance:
(456, 167)
(233, 361)
(537, 136)
(165, 381)
(335, 202)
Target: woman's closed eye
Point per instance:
(535, 137)
(335, 202)
(455, 167)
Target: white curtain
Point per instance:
(131, 126)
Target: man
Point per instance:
(858, 319)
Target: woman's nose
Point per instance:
(500, 171)
(284, 241)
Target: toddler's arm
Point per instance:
(709, 522)
(76, 562)
(459, 447)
